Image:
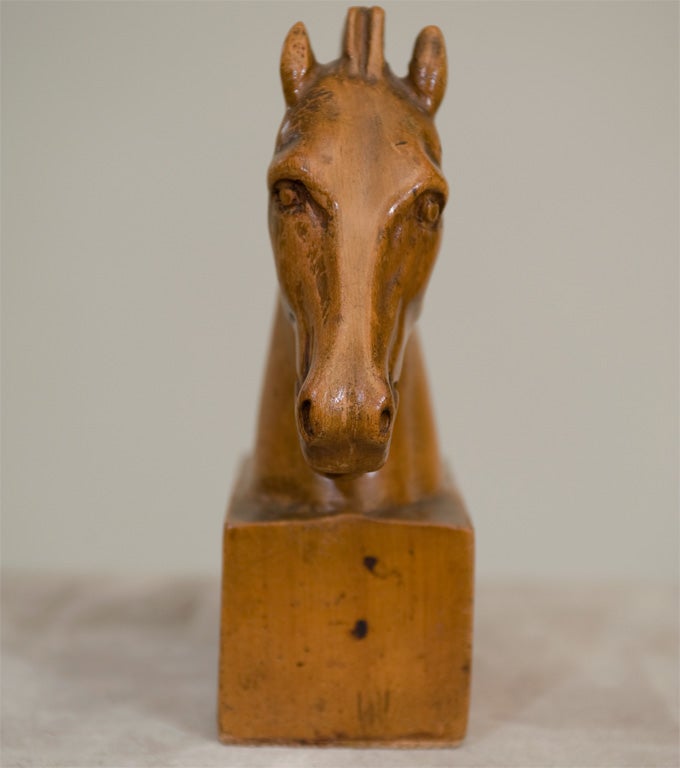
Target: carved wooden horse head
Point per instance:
(355, 220)
(319, 644)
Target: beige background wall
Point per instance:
(138, 284)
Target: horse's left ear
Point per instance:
(427, 70)
(297, 60)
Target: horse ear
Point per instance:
(297, 60)
(427, 70)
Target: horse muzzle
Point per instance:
(345, 431)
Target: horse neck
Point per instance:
(413, 469)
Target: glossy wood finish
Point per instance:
(356, 196)
(346, 468)
(281, 471)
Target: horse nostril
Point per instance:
(306, 417)
(385, 421)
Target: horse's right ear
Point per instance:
(297, 61)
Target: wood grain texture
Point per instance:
(348, 629)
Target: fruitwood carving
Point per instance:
(346, 454)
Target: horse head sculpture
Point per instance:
(348, 553)
(356, 198)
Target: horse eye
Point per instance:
(289, 195)
(429, 209)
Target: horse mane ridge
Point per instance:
(363, 53)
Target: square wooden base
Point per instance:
(347, 629)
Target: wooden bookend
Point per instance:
(348, 554)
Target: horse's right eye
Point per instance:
(289, 195)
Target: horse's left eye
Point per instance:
(289, 195)
(429, 209)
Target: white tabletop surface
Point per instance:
(121, 671)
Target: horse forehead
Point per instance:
(345, 127)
